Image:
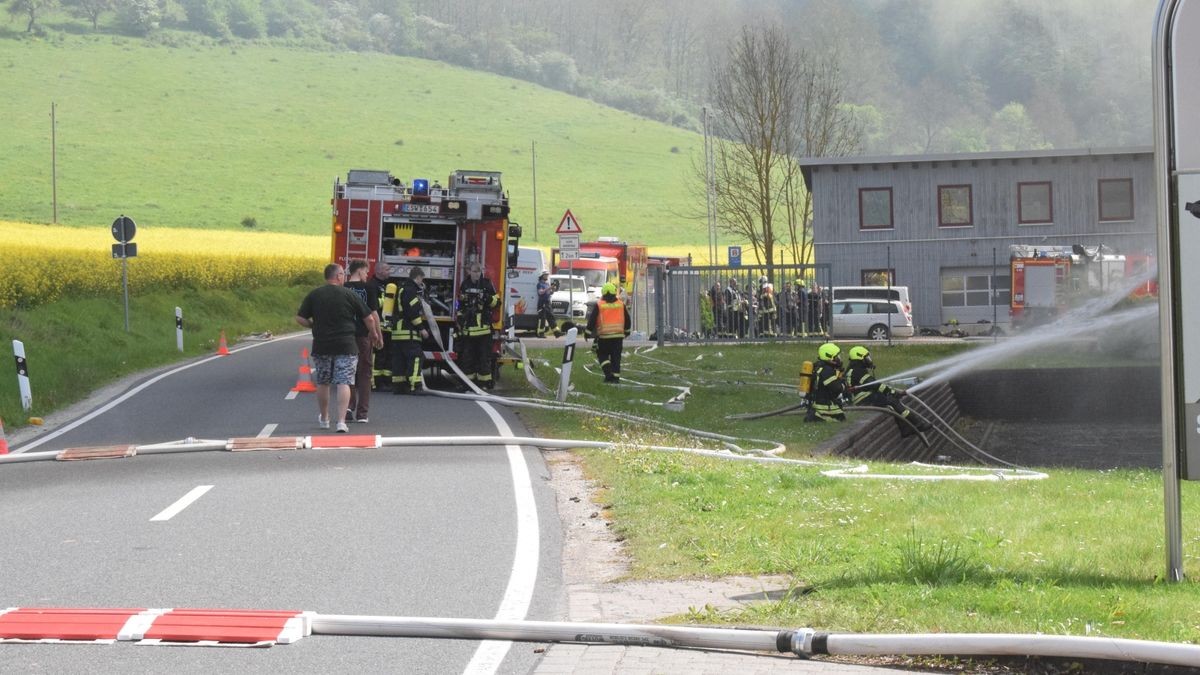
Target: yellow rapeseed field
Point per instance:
(50, 262)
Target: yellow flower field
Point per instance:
(53, 262)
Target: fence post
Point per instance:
(660, 304)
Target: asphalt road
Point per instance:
(413, 532)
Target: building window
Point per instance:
(878, 277)
(954, 205)
(1116, 198)
(875, 208)
(973, 289)
(1034, 203)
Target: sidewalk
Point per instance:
(592, 558)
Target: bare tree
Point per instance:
(30, 9)
(89, 9)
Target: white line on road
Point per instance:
(267, 431)
(515, 604)
(184, 501)
(291, 395)
(133, 392)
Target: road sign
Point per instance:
(735, 256)
(128, 250)
(568, 224)
(568, 242)
(569, 254)
(123, 229)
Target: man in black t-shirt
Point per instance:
(365, 339)
(330, 311)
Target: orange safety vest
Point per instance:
(611, 321)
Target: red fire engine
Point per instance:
(1047, 280)
(441, 229)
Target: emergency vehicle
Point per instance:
(377, 216)
(609, 259)
(1047, 280)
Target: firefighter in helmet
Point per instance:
(828, 386)
(865, 390)
(477, 299)
(608, 323)
(545, 317)
(378, 286)
(410, 329)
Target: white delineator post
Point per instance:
(179, 329)
(564, 382)
(22, 374)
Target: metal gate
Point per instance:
(748, 302)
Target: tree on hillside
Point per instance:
(30, 9)
(139, 17)
(89, 9)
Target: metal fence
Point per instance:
(749, 302)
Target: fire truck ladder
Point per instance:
(358, 229)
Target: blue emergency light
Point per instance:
(420, 186)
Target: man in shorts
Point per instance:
(330, 311)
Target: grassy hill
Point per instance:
(204, 137)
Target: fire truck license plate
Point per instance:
(419, 208)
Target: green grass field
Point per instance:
(204, 136)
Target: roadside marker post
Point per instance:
(22, 375)
(179, 329)
(564, 383)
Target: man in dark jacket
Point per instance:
(410, 330)
(608, 323)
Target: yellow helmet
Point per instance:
(859, 353)
(608, 288)
(829, 351)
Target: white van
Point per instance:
(864, 317)
(522, 286)
(899, 293)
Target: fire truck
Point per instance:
(442, 229)
(1047, 280)
(609, 259)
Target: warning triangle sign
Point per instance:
(568, 225)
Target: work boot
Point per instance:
(400, 388)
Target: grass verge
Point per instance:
(1077, 554)
(76, 346)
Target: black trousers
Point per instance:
(475, 356)
(608, 351)
(406, 364)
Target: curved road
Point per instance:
(415, 532)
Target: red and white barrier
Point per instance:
(220, 627)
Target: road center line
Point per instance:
(267, 431)
(519, 593)
(184, 501)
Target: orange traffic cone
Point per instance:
(304, 381)
(222, 348)
(3, 440)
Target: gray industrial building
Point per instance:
(934, 221)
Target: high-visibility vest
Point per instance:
(611, 321)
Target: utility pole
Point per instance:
(533, 155)
(709, 188)
(54, 161)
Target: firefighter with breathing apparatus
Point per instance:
(545, 317)
(608, 323)
(866, 391)
(409, 329)
(826, 386)
(477, 299)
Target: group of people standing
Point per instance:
(832, 387)
(368, 334)
(793, 311)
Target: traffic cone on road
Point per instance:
(3, 440)
(222, 347)
(304, 381)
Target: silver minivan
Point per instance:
(865, 317)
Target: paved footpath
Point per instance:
(592, 558)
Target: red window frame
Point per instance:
(1021, 219)
(970, 206)
(1100, 199)
(891, 209)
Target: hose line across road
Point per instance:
(433, 531)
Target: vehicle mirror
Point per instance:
(514, 253)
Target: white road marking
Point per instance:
(184, 501)
(133, 392)
(519, 593)
(291, 395)
(267, 431)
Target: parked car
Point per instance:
(873, 319)
(874, 293)
(571, 299)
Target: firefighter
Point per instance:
(476, 300)
(377, 285)
(828, 386)
(608, 324)
(410, 329)
(767, 308)
(545, 321)
(864, 390)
